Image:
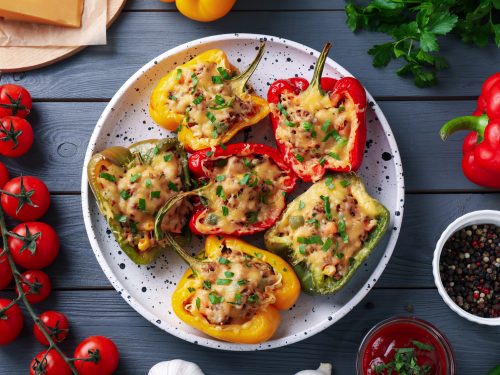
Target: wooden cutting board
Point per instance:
(19, 59)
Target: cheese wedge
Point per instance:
(67, 13)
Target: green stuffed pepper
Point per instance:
(327, 232)
(132, 184)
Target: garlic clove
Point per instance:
(323, 369)
(175, 367)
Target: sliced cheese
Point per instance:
(67, 13)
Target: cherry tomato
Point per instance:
(57, 324)
(16, 136)
(14, 101)
(50, 364)
(5, 272)
(4, 175)
(33, 245)
(11, 322)
(40, 287)
(26, 199)
(104, 352)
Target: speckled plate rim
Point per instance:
(273, 343)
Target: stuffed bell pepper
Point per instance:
(207, 101)
(243, 188)
(327, 232)
(132, 184)
(233, 291)
(319, 126)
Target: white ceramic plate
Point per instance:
(125, 120)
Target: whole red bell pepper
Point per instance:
(344, 127)
(221, 195)
(481, 147)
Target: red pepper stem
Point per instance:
(318, 70)
(239, 82)
(473, 123)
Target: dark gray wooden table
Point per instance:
(70, 96)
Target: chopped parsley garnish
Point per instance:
(124, 194)
(245, 179)
(341, 108)
(135, 177)
(404, 362)
(326, 207)
(327, 245)
(282, 109)
(107, 176)
(191, 289)
(223, 260)
(334, 155)
(308, 126)
(217, 79)
(172, 97)
(289, 123)
(172, 186)
(332, 133)
(209, 154)
(252, 216)
(215, 299)
(340, 255)
(242, 282)
(168, 157)
(247, 163)
(212, 219)
(133, 228)
(329, 182)
(142, 204)
(299, 157)
(253, 299)
(155, 194)
(121, 218)
(223, 146)
(214, 134)
(224, 73)
(211, 117)
(229, 274)
(237, 299)
(220, 177)
(326, 125)
(351, 260)
(219, 191)
(268, 181)
(195, 83)
(225, 211)
(207, 284)
(258, 255)
(219, 100)
(342, 229)
(148, 183)
(345, 183)
(198, 303)
(179, 75)
(198, 99)
(315, 239)
(301, 205)
(224, 281)
(322, 161)
(302, 249)
(313, 221)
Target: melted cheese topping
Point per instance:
(328, 225)
(233, 289)
(246, 191)
(137, 192)
(317, 129)
(210, 108)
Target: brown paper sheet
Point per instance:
(25, 34)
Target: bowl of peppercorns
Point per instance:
(466, 266)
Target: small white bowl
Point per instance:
(476, 217)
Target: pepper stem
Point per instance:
(238, 83)
(473, 123)
(318, 70)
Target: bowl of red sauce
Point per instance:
(402, 344)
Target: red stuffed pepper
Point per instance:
(481, 147)
(243, 188)
(319, 126)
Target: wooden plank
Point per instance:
(63, 129)
(142, 345)
(279, 5)
(425, 217)
(138, 37)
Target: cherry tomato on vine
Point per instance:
(11, 322)
(50, 364)
(101, 354)
(4, 175)
(5, 272)
(16, 136)
(39, 287)
(33, 245)
(25, 198)
(15, 100)
(57, 324)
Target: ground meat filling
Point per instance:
(206, 98)
(317, 131)
(138, 191)
(234, 288)
(247, 190)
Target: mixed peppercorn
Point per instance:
(469, 266)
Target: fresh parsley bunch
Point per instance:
(416, 25)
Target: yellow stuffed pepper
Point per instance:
(234, 291)
(206, 100)
(203, 10)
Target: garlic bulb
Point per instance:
(175, 367)
(323, 369)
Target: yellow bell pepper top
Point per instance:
(264, 323)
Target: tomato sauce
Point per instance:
(384, 342)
